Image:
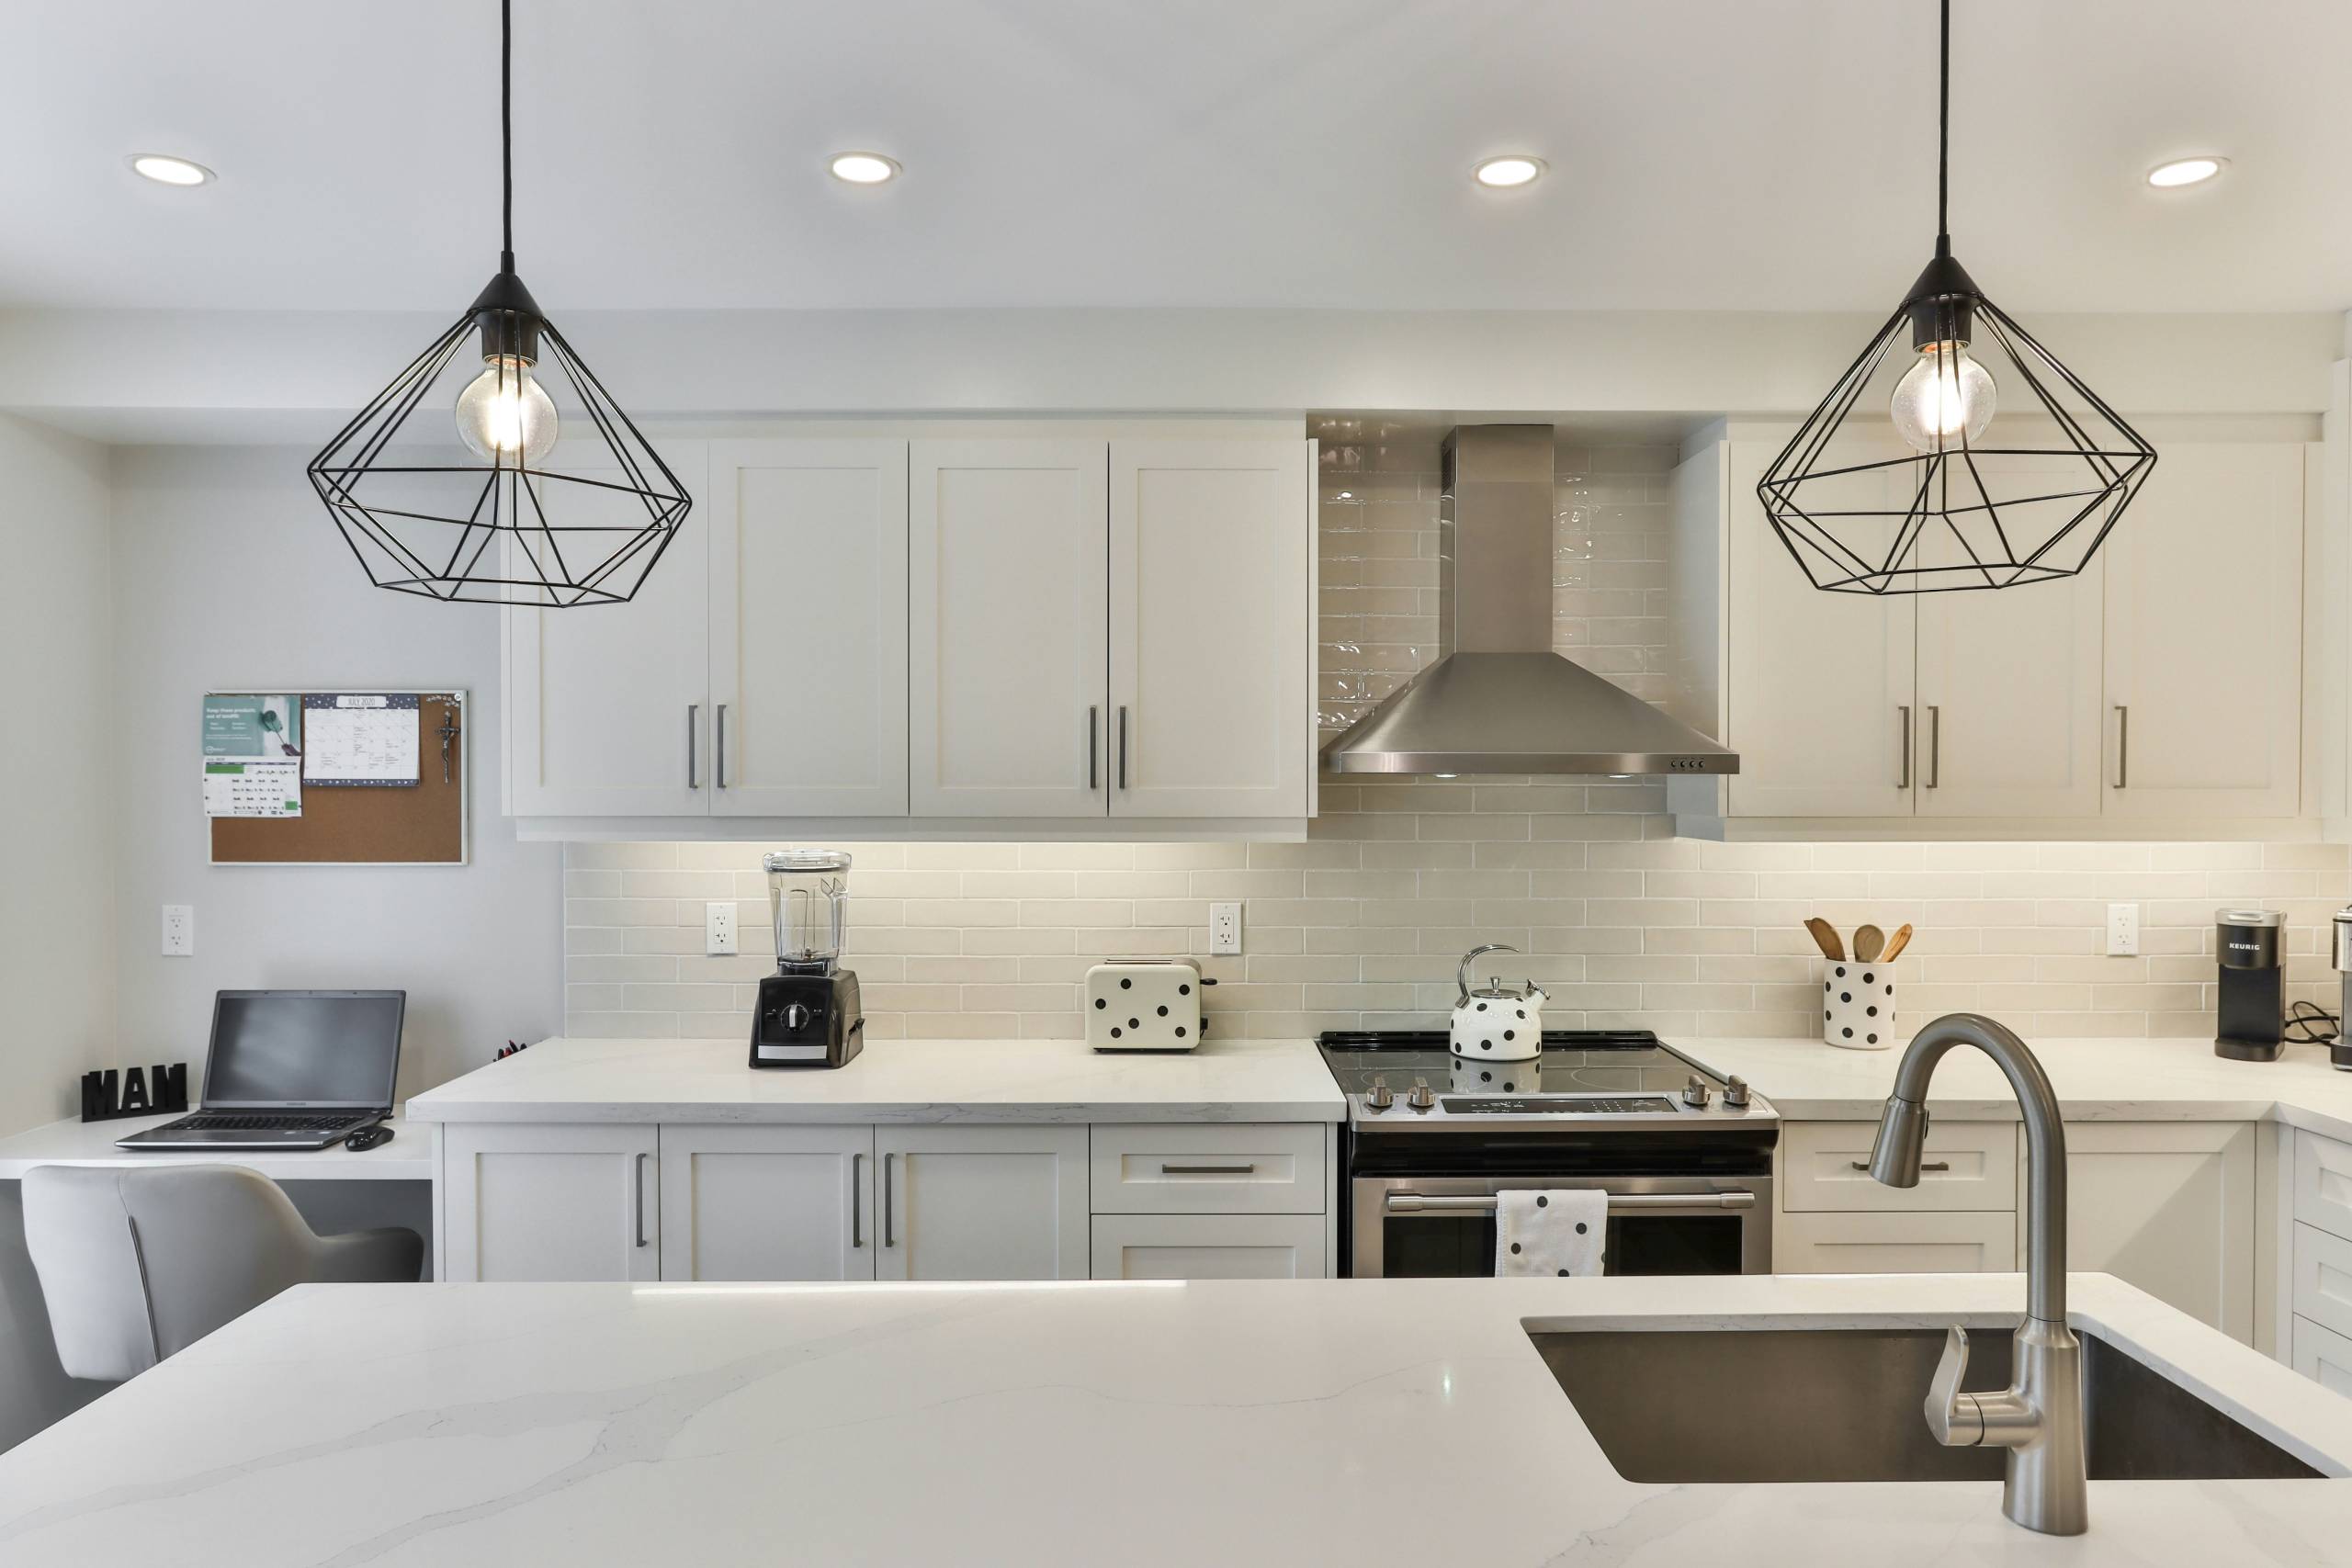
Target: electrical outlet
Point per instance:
(719, 929)
(179, 930)
(2122, 930)
(1224, 928)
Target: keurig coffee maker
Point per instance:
(2252, 1014)
(809, 1014)
(2339, 1050)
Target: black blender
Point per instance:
(809, 1014)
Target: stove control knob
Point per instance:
(1378, 1097)
(1694, 1093)
(796, 1017)
(1422, 1097)
(1735, 1094)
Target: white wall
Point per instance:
(57, 966)
(228, 573)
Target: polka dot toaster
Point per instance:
(1144, 1004)
(1498, 1022)
(1856, 1004)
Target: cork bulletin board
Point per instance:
(421, 823)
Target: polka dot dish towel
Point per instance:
(1546, 1234)
(1857, 1004)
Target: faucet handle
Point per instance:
(1955, 1419)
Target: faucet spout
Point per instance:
(2039, 1419)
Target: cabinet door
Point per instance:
(1210, 645)
(982, 1203)
(539, 1201)
(2009, 683)
(1820, 704)
(809, 628)
(767, 1202)
(2323, 1356)
(1864, 1242)
(2168, 1206)
(606, 710)
(2204, 636)
(1008, 646)
(1209, 1246)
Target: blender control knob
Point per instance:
(795, 1016)
(1735, 1094)
(1378, 1097)
(1422, 1097)
(1695, 1093)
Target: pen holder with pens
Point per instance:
(1856, 1004)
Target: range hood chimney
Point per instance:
(1499, 700)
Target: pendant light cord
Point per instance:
(506, 125)
(1943, 137)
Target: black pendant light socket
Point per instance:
(1942, 303)
(507, 318)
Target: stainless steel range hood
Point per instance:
(1499, 700)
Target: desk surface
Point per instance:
(408, 1157)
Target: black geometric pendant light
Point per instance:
(501, 528)
(1952, 498)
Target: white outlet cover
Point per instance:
(179, 930)
(719, 929)
(2122, 930)
(1225, 929)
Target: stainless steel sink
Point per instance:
(1844, 1405)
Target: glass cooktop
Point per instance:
(1625, 1062)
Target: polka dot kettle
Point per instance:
(1497, 1023)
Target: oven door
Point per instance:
(1443, 1226)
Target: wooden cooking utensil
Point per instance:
(1869, 943)
(1825, 935)
(1902, 939)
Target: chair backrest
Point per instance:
(136, 1265)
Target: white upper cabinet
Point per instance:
(1009, 641)
(2204, 636)
(1819, 695)
(1210, 642)
(807, 628)
(605, 713)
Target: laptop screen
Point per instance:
(303, 1048)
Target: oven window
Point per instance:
(1424, 1246)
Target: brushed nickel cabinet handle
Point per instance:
(856, 1208)
(693, 718)
(1122, 746)
(1093, 729)
(1905, 755)
(2122, 746)
(1208, 1169)
(1935, 745)
(1931, 1164)
(889, 1238)
(637, 1196)
(719, 751)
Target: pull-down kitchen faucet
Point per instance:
(2039, 1417)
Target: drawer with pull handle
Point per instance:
(1245, 1168)
(1969, 1166)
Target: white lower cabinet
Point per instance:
(536, 1201)
(2323, 1354)
(981, 1203)
(1864, 1242)
(2168, 1206)
(1209, 1246)
(767, 1202)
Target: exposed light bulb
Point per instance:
(503, 413)
(1945, 400)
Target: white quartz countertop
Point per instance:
(1354, 1423)
(894, 1080)
(2118, 1080)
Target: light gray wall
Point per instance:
(228, 573)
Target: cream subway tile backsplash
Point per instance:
(1363, 923)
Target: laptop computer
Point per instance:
(290, 1070)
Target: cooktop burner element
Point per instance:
(1409, 1079)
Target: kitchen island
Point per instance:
(1356, 1423)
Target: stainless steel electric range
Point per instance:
(1684, 1154)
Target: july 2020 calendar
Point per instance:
(359, 739)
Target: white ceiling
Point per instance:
(1705, 154)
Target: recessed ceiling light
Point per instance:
(166, 170)
(1503, 172)
(2185, 171)
(865, 168)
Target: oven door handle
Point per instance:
(1619, 1202)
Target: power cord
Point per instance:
(2317, 1025)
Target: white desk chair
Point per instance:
(136, 1265)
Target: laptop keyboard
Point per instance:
(268, 1121)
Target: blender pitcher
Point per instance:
(807, 894)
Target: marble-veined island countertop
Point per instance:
(1351, 1423)
(1004, 1081)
